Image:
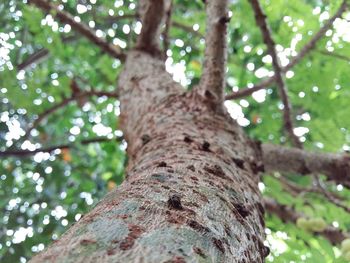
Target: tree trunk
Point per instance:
(191, 193)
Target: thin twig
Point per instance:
(23, 153)
(81, 28)
(312, 43)
(331, 197)
(335, 55)
(261, 21)
(301, 54)
(288, 214)
(63, 103)
(187, 28)
(40, 55)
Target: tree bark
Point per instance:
(283, 159)
(191, 191)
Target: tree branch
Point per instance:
(187, 28)
(24, 153)
(81, 28)
(312, 43)
(335, 55)
(260, 19)
(213, 78)
(282, 159)
(302, 53)
(165, 33)
(64, 102)
(39, 55)
(288, 214)
(152, 16)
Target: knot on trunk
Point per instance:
(174, 202)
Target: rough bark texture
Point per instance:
(191, 190)
(191, 193)
(335, 166)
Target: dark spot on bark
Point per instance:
(224, 19)
(170, 171)
(174, 202)
(187, 139)
(134, 232)
(244, 212)
(110, 251)
(257, 167)
(205, 146)
(215, 170)
(303, 169)
(194, 178)
(86, 242)
(160, 177)
(197, 226)
(145, 139)
(266, 251)
(238, 162)
(260, 208)
(209, 95)
(162, 164)
(261, 220)
(199, 251)
(227, 230)
(191, 167)
(218, 243)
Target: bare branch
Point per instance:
(302, 53)
(331, 197)
(152, 17)
(288, 214)
(187, 28)
(312, 43)
(212, 82)
(260, 18)
(335, 55)
(36, 57)
(81, 28)
(283, 159)
(63, 103)
(24, 153)
(40, 55)
(248, 91)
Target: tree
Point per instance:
(191, 190)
